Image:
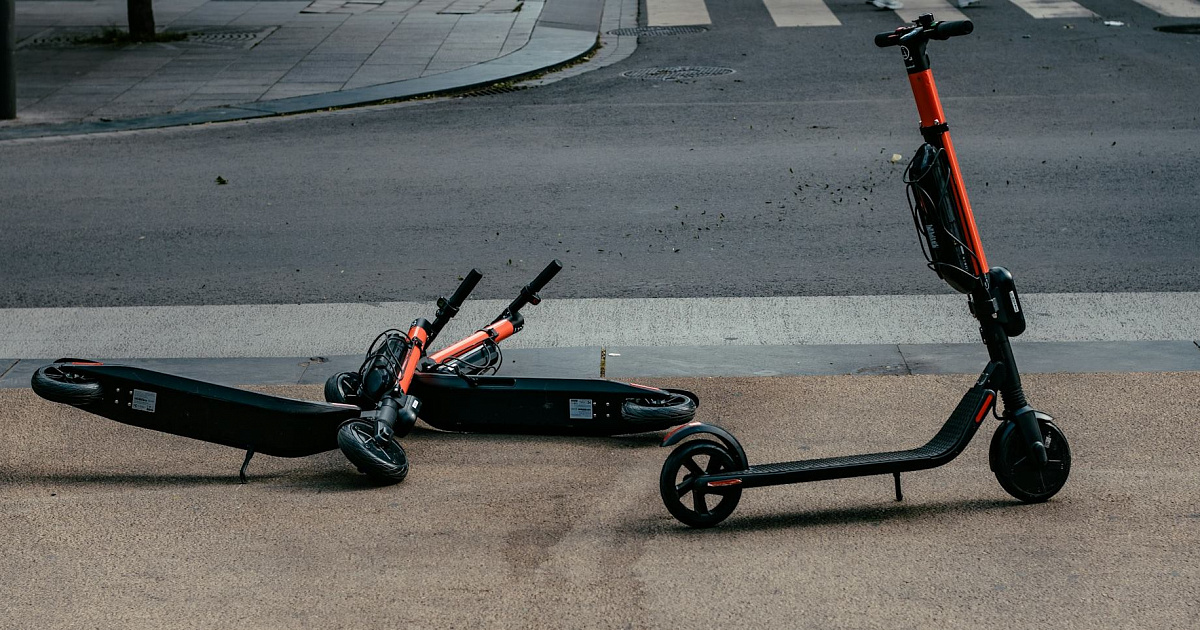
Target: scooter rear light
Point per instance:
(722, 484)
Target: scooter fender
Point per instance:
(683, 431)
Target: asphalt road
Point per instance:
(111, 526)
(1079, 146)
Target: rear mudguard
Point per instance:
(283, 427)
(540, 406)
(725, 437)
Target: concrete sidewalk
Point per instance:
(259, 58)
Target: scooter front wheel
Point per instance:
(1016, 471)
(706, 506)
(59, 384)
(384, 463)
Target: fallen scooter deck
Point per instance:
(545, 406)
(262, 423)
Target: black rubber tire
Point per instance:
(665, 411)
(1009, 461)
(59, 384)
(673, 489)
(342, 388)
(385, 465)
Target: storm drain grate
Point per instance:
(676, 73)
(651, 31)
(491, 91)
(228, 38)
(1182, 29)
(196, 37)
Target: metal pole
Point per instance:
(8, 69)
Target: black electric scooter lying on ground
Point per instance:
(285, 427)
(461, 391)
(1029, 454)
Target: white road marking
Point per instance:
(1173, 8)
(801, 13)
(1042, 9)
(941, 9)
(289, 330)
(676, 13)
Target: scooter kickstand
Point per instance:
(899, 495)
(245, 465)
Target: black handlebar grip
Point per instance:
(954, 28)
(464, 289)
(549, 272)
(890, 38)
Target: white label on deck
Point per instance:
(581, 408)
(144, 401)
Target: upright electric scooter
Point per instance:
(1028, 454)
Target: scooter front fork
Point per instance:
(394, 411)
(1026, 419)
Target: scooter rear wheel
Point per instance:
(59, 384)
(385, 463)
(342, 388)
(1016, 471)
(666, 411)
(683, 465)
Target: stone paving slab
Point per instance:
(632, 362)
(242, 54)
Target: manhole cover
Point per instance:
(676, 73)
(651, 31)
(1182, 29)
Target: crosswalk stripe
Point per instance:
(1173, 8)
(676, 13)
(941, 8)
(801, 13)
(1041, 9)
(787, 13)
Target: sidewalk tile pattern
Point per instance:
(247, 51)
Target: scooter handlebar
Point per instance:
(547, 274)
(448, 308)
(953, 28)
(937, 30)
(468, 284)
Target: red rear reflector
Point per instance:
(727, 482)
(987, 404)
(680, 428)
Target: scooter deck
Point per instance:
(539, 406)
(953, 437)
(283, 427)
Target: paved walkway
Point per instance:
(280, 56)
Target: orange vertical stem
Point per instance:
(412, 357)
(929, 106)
